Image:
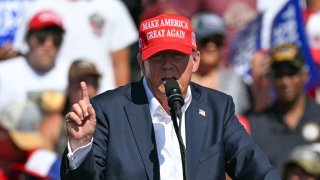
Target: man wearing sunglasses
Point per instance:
(294, 119)
(36, 70)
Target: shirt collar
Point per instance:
(154, 104)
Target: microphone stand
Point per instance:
(174, 116)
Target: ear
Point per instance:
(196, 60)
(140, 62)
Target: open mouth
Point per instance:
(164, 80)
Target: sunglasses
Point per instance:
(283, 71)
(216, 39)
(42, 35)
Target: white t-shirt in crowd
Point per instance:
(94, 29)
(18, 80)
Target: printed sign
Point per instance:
(11, 12)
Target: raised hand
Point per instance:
(81, 120)
(7, 52)
(260, 64)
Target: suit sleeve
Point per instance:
(93, 167)
(244, 158)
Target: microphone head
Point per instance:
(171, 87)
(173, 92)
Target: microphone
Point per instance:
(175, 99)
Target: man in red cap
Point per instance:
(37, 68)
(127, 133)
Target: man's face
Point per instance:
(75, 92)
(44, 47)
(210, 54)
(289, 84)
(169, 64)
(295, 172)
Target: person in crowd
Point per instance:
(312, 29)
(100, 31)
(261, 89)
(235, 14)
(81, 70)
(210, 34)
(19, 122)
(52, 126)
(312, 7)
(135, 8)
(36, 71)
(303, 163)
(127, 133)
(293, 119)
(39, 164)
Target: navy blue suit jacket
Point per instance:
(124, 145)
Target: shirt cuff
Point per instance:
(77, 157)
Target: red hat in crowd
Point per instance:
(40, 164)
(166, 32)
(313, 34)
(44, 19)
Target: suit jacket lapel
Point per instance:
(139, 118)
(195, 131)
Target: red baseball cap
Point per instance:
(166, 32)
(44, 19)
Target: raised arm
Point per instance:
(81, 121)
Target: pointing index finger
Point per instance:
(85, 94)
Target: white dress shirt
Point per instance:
(167, 142)
(166, 139)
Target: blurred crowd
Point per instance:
(47, 47)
